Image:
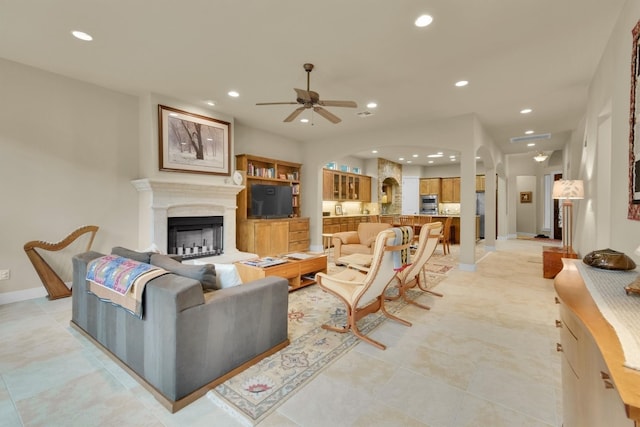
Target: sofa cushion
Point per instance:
(204, 273)
(227, 276)
(131, 254)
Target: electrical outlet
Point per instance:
(5, 274)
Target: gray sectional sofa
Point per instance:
(188, 340)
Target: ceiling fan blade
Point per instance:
(295, 114)
(305, 95)
(276, 103)
(327, 115)
(350, 104)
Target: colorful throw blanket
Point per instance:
(121, 281)
(402, 258)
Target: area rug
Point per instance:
(256, 392)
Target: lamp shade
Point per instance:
(568, 189)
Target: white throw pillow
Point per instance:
(227, 275)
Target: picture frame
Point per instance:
(192, 143)
(526, 196)
(633, 212)
(338, 210)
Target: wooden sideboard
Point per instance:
(597, 390)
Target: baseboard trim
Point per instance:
(24, 295)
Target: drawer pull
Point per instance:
(557, 300)
(558, 347)
(558, 324)
(604, 375)
(608, 384)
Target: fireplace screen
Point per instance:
(195, 237)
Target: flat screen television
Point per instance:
(271, 201)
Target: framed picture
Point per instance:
(526, 196)
(634, 129)
(338, 210)
(193, 143)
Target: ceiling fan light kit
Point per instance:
(311, 100)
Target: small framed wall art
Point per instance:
(192, 143)
(526, 196)
(338, 210)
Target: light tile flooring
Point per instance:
(484, 355)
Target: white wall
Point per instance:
(608, 95)
(526, 212)
(68, 151)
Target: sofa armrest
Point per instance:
(346, 237)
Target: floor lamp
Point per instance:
(568, 190)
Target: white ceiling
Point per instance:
(515, 53)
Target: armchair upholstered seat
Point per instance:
(357, 242)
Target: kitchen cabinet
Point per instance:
(450, 190)
(336, 224)
(344, 186)
(430, 186)
(479, 183)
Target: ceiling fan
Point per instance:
(310, 99)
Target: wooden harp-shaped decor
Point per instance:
(52, 282)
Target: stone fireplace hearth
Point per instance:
(159, 200)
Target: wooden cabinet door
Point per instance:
(424, 186)
(447, 190)
(480, 183)
(456, 190)
(365, 189)
(262, 238)
(279, 238)
(327, 185)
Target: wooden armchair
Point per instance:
(410, 276)
(363, 293)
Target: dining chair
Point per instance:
(445, 236)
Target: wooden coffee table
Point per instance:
(299, 272)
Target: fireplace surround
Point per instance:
(159, 200)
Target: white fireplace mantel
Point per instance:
(159, 200)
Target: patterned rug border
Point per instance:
(251, 414)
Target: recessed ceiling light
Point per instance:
(304, 120)
(526, 111)
(374, 151)
(477, 157)
(211, 103)
(432, 156)
(81, 35)
(408, 161)
(415, 155)
(529, 132)
(423, 21)
(452, 157)
(401, 158)
(462, 83)
(372, 105)
(233, 94)
(531, 144)
(430, 161)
